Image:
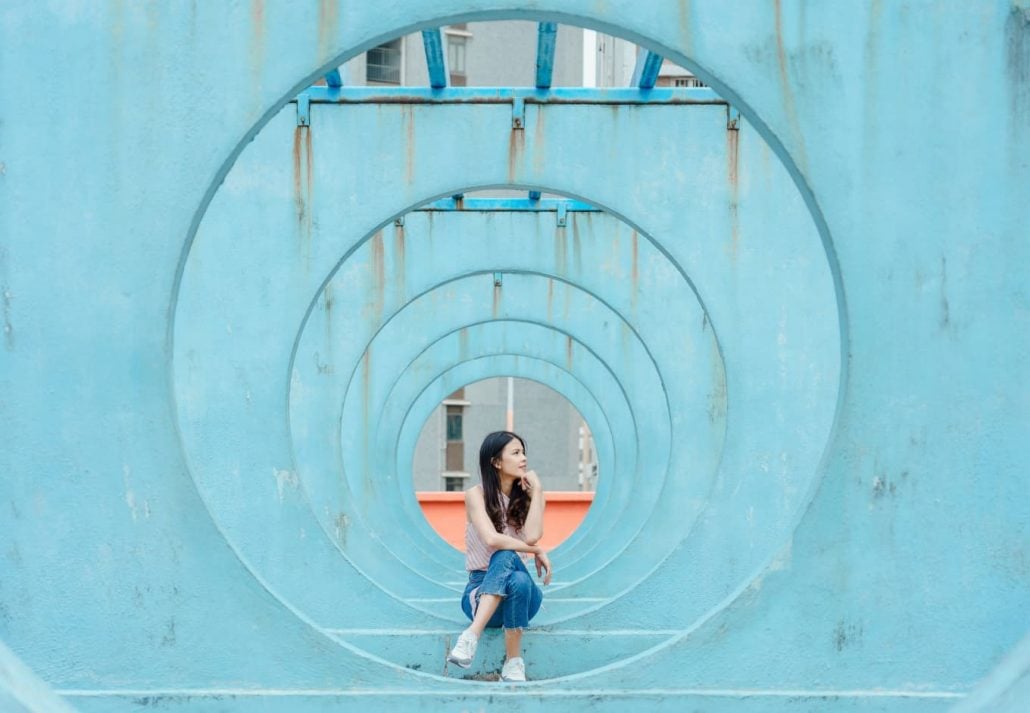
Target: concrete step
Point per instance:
(549, 653)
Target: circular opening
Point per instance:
(559, 445)
(606, 300)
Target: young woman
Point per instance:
(505, 520)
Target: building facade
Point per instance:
(558, 441)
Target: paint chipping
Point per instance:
(1017, 63)
(320, 366)
(130, 495)
(284, 478)
(5, 300)
(168, 640)
(884, 486)
(846, 634)
(341, 524)
(945, 308)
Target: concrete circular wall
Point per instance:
(312, 333)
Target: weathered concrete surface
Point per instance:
(22, 692)
(165, 534)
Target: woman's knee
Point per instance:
(520, 582)
(504, 555)
(504, 558)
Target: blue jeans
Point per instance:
(508, 577)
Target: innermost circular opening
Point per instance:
(559, 446)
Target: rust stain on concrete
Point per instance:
(789, 103)
(378, 266)
(550, 300)
(516, 147)
(733, 178)
(539, 139)
(257, 37)
(399, 258)
(302, 183)
(561, 250)
(328, 18)
(409, 147)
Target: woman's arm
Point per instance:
(476, 509)
(533, 528)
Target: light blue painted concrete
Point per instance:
(1006, 689)
(807, 337)
(22, 692)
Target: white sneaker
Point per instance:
(514, 670)
(464, 651)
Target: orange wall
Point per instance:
(446, 513)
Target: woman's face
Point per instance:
(512, 460)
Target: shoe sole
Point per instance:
(466, 663)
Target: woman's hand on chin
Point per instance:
(530, 482)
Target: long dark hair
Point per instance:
(518, 501)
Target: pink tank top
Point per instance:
(477, 554)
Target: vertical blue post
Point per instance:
(546, 35)
(434, 58)
(645, 73)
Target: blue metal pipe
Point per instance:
(546, 36)
(645, 73)
(333, 78)
(433, 43)
(505, 95)
(510, 204)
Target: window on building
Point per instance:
(455, 424)
(454, 457)
(453, 483)
(688, 82)
(383, 63)
(456, 46)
